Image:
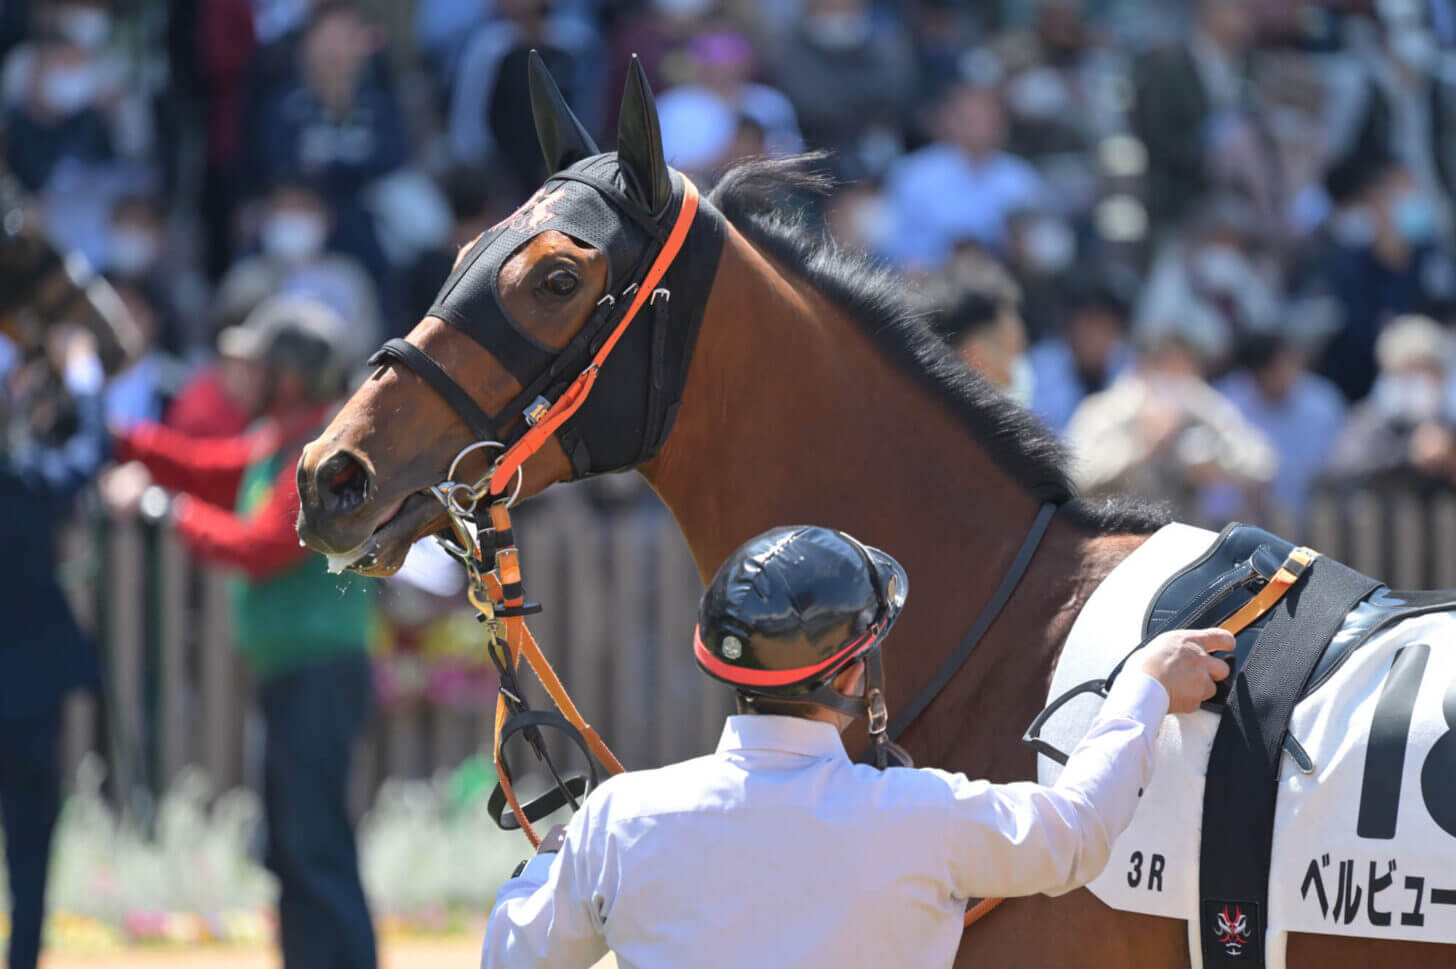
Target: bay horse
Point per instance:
(811, 393)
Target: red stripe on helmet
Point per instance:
(747, 677)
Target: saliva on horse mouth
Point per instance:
(366, 555)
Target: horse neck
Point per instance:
(792, 416)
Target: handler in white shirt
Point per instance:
(777, 850)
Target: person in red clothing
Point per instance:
(212, 402)
(305, 632)
(290, 395)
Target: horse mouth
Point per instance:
(383, 552)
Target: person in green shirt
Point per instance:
(304, 631)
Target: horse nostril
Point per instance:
(342, 481)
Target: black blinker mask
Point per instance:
(639, 388)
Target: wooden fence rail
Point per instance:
(620, 595)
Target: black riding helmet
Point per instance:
(793, 607)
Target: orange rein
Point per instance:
(520, 642)
(1283, 580)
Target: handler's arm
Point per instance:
(1023, 838)
(546, 917)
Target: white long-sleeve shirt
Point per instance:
(777, 850)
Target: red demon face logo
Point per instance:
(1233, 930)
(536, 211)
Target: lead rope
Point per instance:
(499, 597)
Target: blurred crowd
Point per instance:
(1203, 215)
(1210, 242)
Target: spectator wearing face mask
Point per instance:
(1215, 273)
(70, 72)
(1384, 261)
(1402, 434)
(1090, 353)
(962, 186)
(1300, 413)
(850, 76)
(334, 122)
(135, 254)
(296, 256)
(1161, 432)
(57, 114)
(974, 306)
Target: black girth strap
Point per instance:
(1243, 767)
(431, 373)
(988, 615)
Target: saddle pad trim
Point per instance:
(1243, 767)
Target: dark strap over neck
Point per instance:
(983, 623)
(425, 367)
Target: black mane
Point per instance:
(764, 199)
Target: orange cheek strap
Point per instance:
(576, 394)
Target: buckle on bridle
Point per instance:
(536, 410)
(879, 716)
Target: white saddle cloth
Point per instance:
(1325, 877)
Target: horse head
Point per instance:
(520, 325)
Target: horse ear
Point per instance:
(639, 143)
(563, 139)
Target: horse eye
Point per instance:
(561, 282)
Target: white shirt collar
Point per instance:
(792, 735)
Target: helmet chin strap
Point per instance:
(868, 706)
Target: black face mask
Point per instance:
(632, 408)
(626, 204)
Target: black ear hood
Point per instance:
(564, 141)
(639, 144)
(631, 411)
(634, 403)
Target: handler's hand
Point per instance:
(1179, 660)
